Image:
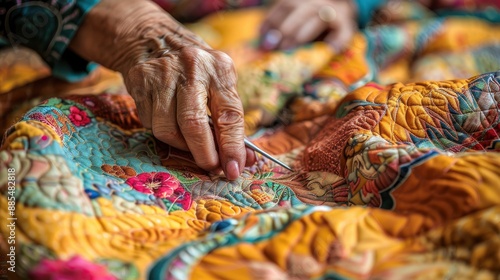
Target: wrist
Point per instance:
(121, 33)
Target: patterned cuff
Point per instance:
(366, 8)
(46, 27)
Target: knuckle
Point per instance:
(231, 129)
(136, 71)
(166, 133)
(190, 51)
(141, 72)
(195, 54)
(225, 71)
(223, 58)
(230, 118)
(197, 64)
(193, 86)
(231, 146)
(191, 121)
(141, 80)
(225, 66)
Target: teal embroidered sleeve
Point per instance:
(47, 27)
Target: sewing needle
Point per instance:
(253, 147)
(260, 151)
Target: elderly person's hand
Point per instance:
(174, 78)
(291, 23)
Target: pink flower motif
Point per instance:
(160, 184)
(78, 117)
(74, 268)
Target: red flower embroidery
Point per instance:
(78, 117)
(160, 184)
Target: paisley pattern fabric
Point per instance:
(394, 142)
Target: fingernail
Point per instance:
(232, 170)
(271, 39)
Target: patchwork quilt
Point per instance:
(394, 143)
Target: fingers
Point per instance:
(153, 90)
(251, 157)
(270, 35)
(139, 88)
(340, 37)
(164, 119)
(192, 115)
(297, 24)
(292, 23)
(172, 94)
(227, 116)
(276, 15)
(306, 32)
(193, 123)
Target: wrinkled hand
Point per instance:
(172, 92)
(175, 80)
(291, 23)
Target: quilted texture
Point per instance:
(393, 181)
